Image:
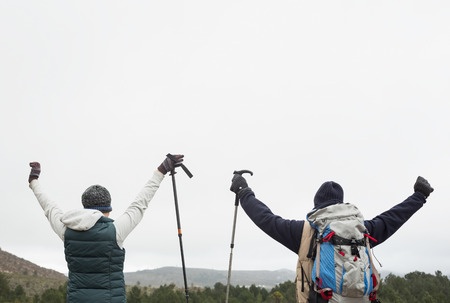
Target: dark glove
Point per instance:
(238, 183)
(168, 164)
(35, 171)
(422, 186)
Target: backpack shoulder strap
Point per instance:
(304, 264)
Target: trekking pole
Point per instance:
(236, 206)
(172, 173)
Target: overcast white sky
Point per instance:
(299, 92)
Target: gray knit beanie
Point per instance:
(97, 197)
(328, 194)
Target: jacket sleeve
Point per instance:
(286, 232)
(386, 224)
(135, 212)
(51, 210)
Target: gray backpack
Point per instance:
(343, 269)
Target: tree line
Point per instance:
(415, 287)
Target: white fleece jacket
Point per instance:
(84, 219)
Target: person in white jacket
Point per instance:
(93, 242)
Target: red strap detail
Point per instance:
(371, 238)
(342, 253)
(374, 280)
(327, 295)
(328, 237)
(373, 296)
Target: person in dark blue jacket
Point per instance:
(289, 232)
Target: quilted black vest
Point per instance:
(95, 263)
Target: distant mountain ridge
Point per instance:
(25, 272)
(200, 277)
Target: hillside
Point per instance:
(208, 277)
(33, 278)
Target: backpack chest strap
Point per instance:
(336, 240)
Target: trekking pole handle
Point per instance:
(171, 157)
(241, 172)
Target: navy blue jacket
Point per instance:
(289, 232)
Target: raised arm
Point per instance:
(286, 232)
(387, 223)
(135, 212)
(51, 209)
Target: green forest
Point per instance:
(415, 287)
